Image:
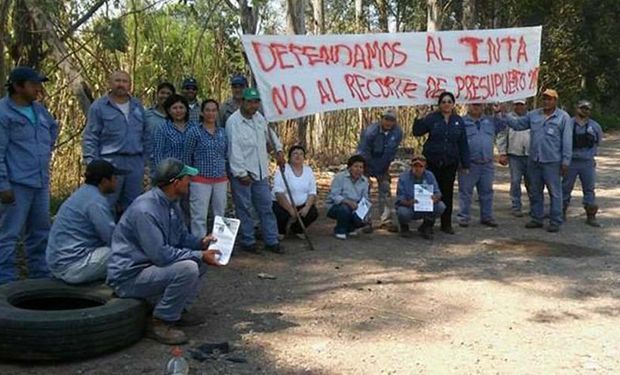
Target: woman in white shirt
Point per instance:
(302, 183)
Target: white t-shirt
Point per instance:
(301, 186)
(124, 108)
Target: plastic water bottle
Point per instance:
(177, 365)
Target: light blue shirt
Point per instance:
(25, 147)
(551, 138)
(343, 187)
(593, 128)
(481, 134)
(379, 147)
(151, 232)
(28, 111)
(406, 182)
(108, 132)
(83, 223)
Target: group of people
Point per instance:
(155, 245)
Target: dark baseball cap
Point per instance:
(238, 80)
(171, 169)
(418, 159)
(99, 169)
(190, 82)
(26, 73)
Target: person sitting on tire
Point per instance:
(154, 256)
(78, 248)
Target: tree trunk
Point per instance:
(27, 47)
(249, 17)
(383, 11)
(60, 54)
(469, 14)
(4, 18)
(296, 20)
(318, 11)
(433, 15)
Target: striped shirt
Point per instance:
(168, 142)
(206, 151)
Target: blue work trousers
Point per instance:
(28, 215)
(481, 177)
(585, 169)
(541, 175)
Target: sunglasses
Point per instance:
(585, 108)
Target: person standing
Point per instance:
(446, 150)
(587, 136)
(481, 133)
(156, 115)
(27, 136)
(79, 243)
(238, 83)
(169, 139)
(205, 148)
(154, 257)
(248, 136)
(116, 132)
(189, 89)
(406, 199)
(378, 145)
(513, 147)
(551, 147)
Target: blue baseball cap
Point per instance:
(238, 80)
(26, 73)
(190, 82)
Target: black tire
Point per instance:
(60, 335)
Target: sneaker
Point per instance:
(490, 223)
(275, 248)
(367, 229)
(533, 224)
(340, 236)
(553, 228)
(164, 332)
(427, 232)
(281, 237)
(301, 236)
(463, 224)
(353, 234)
(517, 213)
(189, 319)
(250, 248)
(404, 231)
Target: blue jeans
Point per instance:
(171, 288)
(479, 176)
(30, 213)
(406, 214)
(586, 170)
(541, 175)
(257, 195)
(518, 172)
(346, 219)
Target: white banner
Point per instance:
(298, 75)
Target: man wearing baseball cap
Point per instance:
(238, 83)
(514, 148)
(587, 136)
(189, 89)
(378, 145)
(79, 243)
(248, 136)
(27, 136)
(406, 200)
(155, 257)
(551, 148)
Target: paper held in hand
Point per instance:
(363, 206)
(225, 230)
(423, 194)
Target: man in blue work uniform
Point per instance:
(587, 135)
(27, 136)
(117, 132)
(78, 248)
(189, 89)
(551, 148)
(406, 198)
(156, 258)
(481, 132)
(238, 83)
(378, 145)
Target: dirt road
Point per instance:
(505, 300)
